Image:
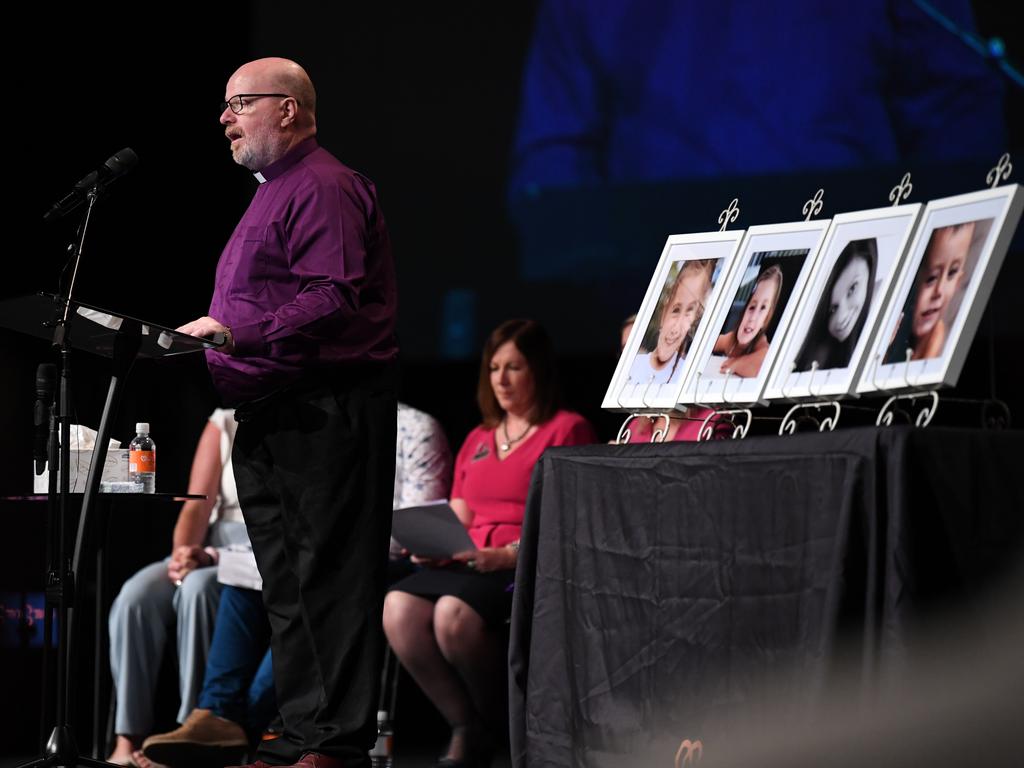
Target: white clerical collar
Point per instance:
(259, 177)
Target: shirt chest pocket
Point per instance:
(259, 252)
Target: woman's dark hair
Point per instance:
(534, 344)
(820, 345)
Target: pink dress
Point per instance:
(641, 429)
(495, 490)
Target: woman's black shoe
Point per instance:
(478, 752)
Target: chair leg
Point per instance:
(106, 746)
(389, 682)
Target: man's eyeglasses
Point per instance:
(237, 103)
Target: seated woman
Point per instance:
(684, 425)
(444, 622)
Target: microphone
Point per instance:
(117, 165)
(46, 373)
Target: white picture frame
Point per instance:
(827, 346)
(973, 230)
(769, 275)
(691, 271)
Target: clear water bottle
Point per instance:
(142, 459)
(381, 755)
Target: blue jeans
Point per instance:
(239, 682)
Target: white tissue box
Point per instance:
(121, 487)
(115, 470)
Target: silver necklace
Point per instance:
(510, 441)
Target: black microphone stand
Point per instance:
(61, 748)
(123, 338)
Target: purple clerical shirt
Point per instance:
(307, 280)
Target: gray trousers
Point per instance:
(148, 612)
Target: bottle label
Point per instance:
(142, 461)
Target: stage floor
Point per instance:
(413, 759)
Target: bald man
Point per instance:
(305, 298)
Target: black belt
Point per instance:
(348, 376)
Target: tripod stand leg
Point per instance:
(61, 750)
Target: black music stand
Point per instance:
(72, 324)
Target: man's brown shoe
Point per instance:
(204, 739)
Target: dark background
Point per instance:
(420, 97)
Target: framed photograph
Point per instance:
(684, 289)
(749, 324)
(825, 350)
(942, 289)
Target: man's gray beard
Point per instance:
(246, 157)
(258, 153)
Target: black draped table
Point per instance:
(659, 585)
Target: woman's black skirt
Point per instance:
(489, 594)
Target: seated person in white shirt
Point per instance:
(237, 700)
